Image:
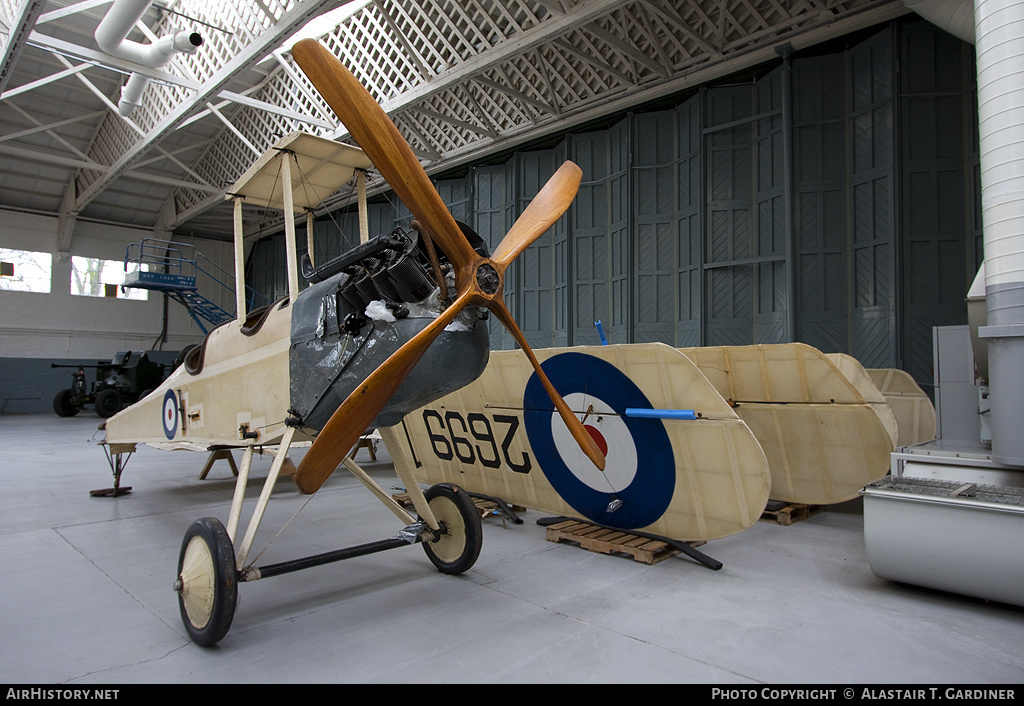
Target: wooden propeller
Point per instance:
(479, 281)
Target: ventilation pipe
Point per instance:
(999, 52)
(998, 38)
(953, 16)
(111, 36)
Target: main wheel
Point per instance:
(108, 403)
(458, 543)
(63, 405)
(207, 583)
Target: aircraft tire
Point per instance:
(207, 584)
(63, 405)
(458, 546)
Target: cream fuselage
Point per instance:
(243, 385)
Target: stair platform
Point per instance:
(158, 281)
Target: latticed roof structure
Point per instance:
(462, 79)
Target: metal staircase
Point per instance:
(177, 270)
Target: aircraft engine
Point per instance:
(359, 309)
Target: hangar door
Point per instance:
(830, 198)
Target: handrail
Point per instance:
(183, 259)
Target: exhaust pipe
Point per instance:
(111, 36)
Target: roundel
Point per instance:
(170, 414)
(638, 481)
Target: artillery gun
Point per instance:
(125, 379)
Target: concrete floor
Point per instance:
(87, 593)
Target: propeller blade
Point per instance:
(391, 154)
(576, 428)
(546, 207)
(378, 137)
(364, 403)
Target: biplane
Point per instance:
(318, 367)
(389, 336)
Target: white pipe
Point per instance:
(1000, 58)
(996, 28)
(953, 16)
(999, 54)
(111, 36)
(998, 38)
(131, 94)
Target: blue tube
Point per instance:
(661, 413)
(600, 332)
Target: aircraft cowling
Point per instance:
(330, 355)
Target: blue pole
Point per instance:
(661, 413)
(600, 332)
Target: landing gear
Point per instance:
(207, 583)
(460, 537)
(208, 566)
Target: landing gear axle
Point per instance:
(208, 578)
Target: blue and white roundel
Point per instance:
(170, 414)
(639, 469)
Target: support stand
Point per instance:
(117, 459)
(368, 443)
(216, 455)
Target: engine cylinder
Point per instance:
(410, 276)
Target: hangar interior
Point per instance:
(752, 173)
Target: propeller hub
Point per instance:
(488, 279)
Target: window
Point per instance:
(93, 277)
(25, 271)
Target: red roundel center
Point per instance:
(598, 438)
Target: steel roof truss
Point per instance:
(254, 52)
(25, 19)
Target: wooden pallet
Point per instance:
(793, 512)
(610, 541)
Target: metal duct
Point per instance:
(999, 53)
(998, 37)
(953, 16)
(111, 36)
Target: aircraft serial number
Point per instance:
(452, 437)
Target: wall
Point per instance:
(38, 329)
(829, 200)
